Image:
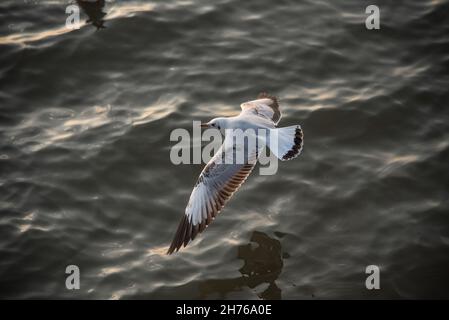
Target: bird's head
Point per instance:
(217, 123)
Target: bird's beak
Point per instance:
(204, 125)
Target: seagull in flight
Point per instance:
(220, 179)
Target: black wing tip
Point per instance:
(265, 95)
(181, 237)
(297, 147)
(186, 232)
(274, 105)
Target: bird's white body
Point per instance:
(244, 121)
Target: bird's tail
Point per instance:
(286, 143)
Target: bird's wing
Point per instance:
(216, 184)
(265, 106)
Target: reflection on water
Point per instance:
(263, 262)
(94, 10)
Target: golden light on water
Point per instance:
(122, 10)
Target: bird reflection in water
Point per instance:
(263, 262)
(94, 10)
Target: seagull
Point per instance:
(220, 179)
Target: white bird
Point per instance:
(220, 179)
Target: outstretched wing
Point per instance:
(218, 181)
(265, 106)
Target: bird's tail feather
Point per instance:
(286, 143)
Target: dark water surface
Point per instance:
(86, 178)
